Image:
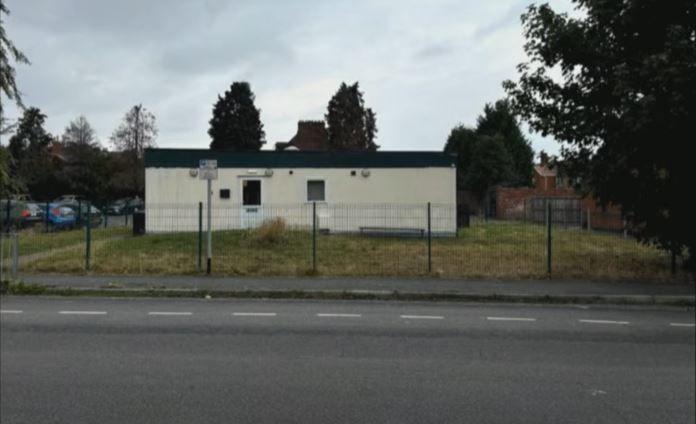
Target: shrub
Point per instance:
(272, 232)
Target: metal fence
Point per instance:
(331, 240)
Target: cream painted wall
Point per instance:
(405, 191)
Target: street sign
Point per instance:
(207, 169)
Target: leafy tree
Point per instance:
(482, 161)
(86, 169)
(350, 126)
(30, 160)
(498, 120)
(236, 123)
(8, 184)
(623, 106)
(8, 52)
(136, 132)
(79, 131)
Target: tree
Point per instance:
(482, 160)
(86, 169)
(623, 106)
(136, 132)
(236, 123)
(31, 164)
(79, 131)
(499, 121)
(8, 52)
(350, 126)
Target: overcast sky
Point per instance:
(423, 66)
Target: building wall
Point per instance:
(404, 192)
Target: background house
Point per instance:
(311, 136)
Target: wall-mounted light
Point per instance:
(268, 172)
(365, 173)
(193, 172)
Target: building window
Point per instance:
(251, 192)
(316, 191)
(224, 193)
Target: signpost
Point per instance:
(207, 170)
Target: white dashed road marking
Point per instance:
(156, 313)
(82, 312)
(10, 311)
(422, 317)
(682, 324)
(603, 321)
(509, 319)
(254, 314)
(339, 315)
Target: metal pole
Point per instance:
(7, 216)
(46, 217)
(15, 255)
(548, 237)
(314, 236)
(430, 256)
(200, 236)
(589, 220)
(674, 261)
(125, 212)
(210, 244)
(88, 236)
(2, 256)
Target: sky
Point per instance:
(424, 66)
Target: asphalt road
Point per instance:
(69, 360)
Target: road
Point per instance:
(70, 360)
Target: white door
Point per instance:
(251, 213)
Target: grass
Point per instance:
(502, 250)
(36, 240)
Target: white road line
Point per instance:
(339, 315)
(510, 319)
(422, 317)
(10, 311)
(156, 313)
(254, 314)
(603, 321)
(82, 312)
(682, 324)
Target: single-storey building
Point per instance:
(352, 190)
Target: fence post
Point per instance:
(200, 236)
(7, 216)
(548, 237)
(88, 236)
(15, 255)
(589, 220)
(430, 257)
(314, 236)
(673, 262)
(125, 212)
(2, 256)
(47, 217)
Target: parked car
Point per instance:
(125, 206)
(61, 217)
(21, 214)
(80, 210)
(69, 199)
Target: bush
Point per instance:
(272, 232)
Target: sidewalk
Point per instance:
(524, 290)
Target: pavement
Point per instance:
(143, 360)
(576, 291)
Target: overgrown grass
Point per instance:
(36, 240)
(494, 250)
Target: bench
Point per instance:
(392, 231)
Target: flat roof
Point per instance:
(189, 158)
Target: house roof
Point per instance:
(189, 158)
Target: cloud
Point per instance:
(424, 66)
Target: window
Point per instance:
(251, 192)
(315, 191)
(224, 193)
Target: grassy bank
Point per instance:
(493, 250)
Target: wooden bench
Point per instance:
(392, 231)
